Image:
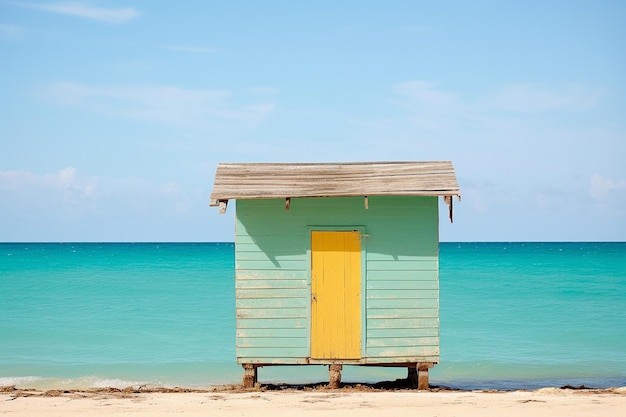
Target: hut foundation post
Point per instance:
(418, 375)
(412, 376)
(250, 375)
(335, 375)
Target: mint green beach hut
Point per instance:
(337, 263)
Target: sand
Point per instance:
(340, 402)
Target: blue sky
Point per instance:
(114, 114)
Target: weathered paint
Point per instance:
(399, 292)
(335, 294)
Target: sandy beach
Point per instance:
(341, 402)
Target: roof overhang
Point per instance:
(244, 181)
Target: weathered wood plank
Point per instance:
(400, 359)
(270, 283)
(402, 265)
(253, 333)
(397, 342)
(276, 256)
(377, 202)
(273, 360)
(272, 275)
(252, 292)
(392, 303)
(403, 275)
(265, 303)
(401, 313)
(402, 285)
(393, 294)
(300, 208)
(272, 247)
(273, 352)
(430, 322)
(272, 342)
(378, 245)
(402, 256)
(240, 181)
(270, 264)
(277, 323)
(404, 351)
(252, 242)
(275, 225)
(403, 333)
(271, 313)
(420, 226)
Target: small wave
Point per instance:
(115, 383)
(21, 381)
(36, 382)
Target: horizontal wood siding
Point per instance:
(401, 292)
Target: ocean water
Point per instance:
(513, 315)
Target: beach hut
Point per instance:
(337, 263)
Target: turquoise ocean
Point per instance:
(513, 315)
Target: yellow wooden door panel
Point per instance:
(336, 295)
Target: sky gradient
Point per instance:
(114, 114)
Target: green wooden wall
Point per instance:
(400, 279)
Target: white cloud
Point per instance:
(194, 108)
(65, 180)
(66, 176)
(510, 108)
(66, 189)
(109, 15)
(16, 179)
(602, 188)
(516, 98)
(69, 206)
(536, 143)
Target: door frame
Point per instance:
(363, 234)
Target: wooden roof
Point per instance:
(292, 180)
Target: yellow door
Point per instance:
(335, 295)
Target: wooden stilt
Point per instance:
(250, 375)
(422, 375)
(335, 376)
(412, 376)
